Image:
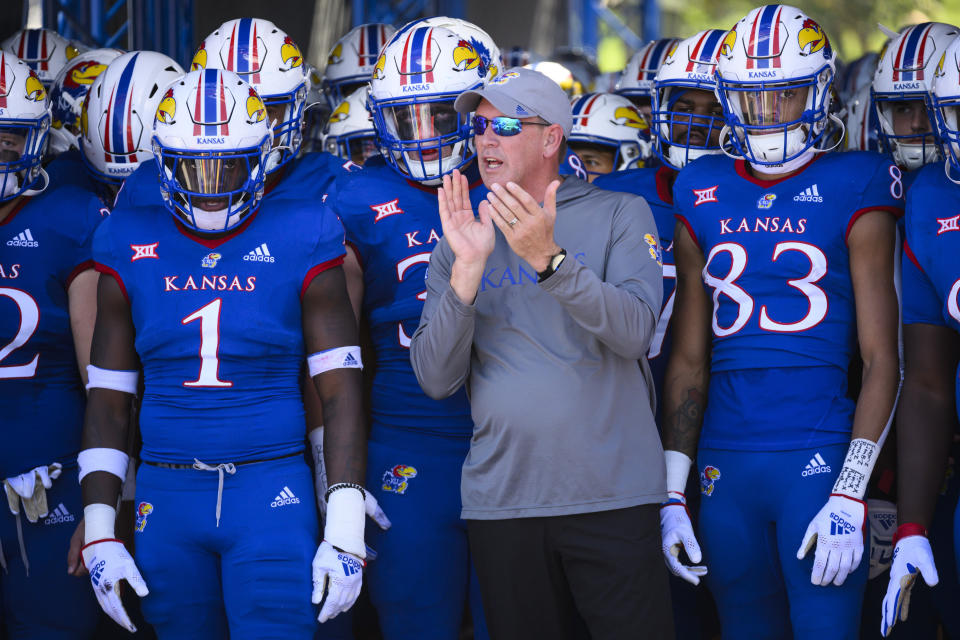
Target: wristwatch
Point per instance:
(555, 263)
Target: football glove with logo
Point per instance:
(882, 515)
(676, 530)
(838, 531)
(911, 555)
(337, 578)
(30, 488)
(108, 563)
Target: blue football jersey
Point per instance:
(307, 177)
(394, 224)
(218, 326)
(654, 185)
(777, 268)
(45, 242)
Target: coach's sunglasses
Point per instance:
(502, 125)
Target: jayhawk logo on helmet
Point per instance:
(726, 47)
(939, 71)
(290, 53)
(71, 52)
(167, 108)
(83, 115)
(630, 117)
(35, 90)
(255, 107)
(83, 74)
(341, 113)
(812, 36)
(379, 67)
(199, 58)
(473, 54)
(336, 56)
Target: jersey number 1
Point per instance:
(209, 317)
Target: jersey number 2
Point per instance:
(29, 319)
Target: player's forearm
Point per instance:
(925, 425)
(345, 433)
(106, 426)
(685, 400)
(878, 396)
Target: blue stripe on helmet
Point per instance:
(243, 45)
(416, 54)
(910, 52)
(656, 57)
(764, 35)
(373, 42)
(709, 47)
(209, 89)
(117, 137)
(33, 45)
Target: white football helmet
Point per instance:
(773, 79)
(415, 81)
(679, 135)
(66, 97)
(211, 141)
(349, 132)
(117, 113)
(637, 78)
(352, 59)
(44, 50)
(560, 74)
(945, 107)
(905, 74)
(267, 59)
(613, 122)
(862, 122)
(24, 123)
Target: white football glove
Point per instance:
(676, 531)
(838, 531)
(882, 515)
(108, 563)
(911, 555)
(26, 488)
(339, 576)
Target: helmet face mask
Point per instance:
(24, 127)
(944, 107)
(349, 132)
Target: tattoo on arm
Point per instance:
(682, 428)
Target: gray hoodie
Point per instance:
(562, 411)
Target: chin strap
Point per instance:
(46, 183)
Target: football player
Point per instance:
(608, 134)
(67, 93)
(927, 415)
(352, 60)
(223, 488)
(417, 445)
(349, 133)
(43, 50)
(47, 312)
(794, 246)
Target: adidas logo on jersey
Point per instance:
(816, 465)
(22, 239)
(286, 497)
(60, 515)
(260, 254)
(810, 194)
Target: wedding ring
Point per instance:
(514, 221)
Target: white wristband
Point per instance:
(346, 515)
(338, 358)
(678, 470)
(103, 459)
(125, 381)
(857, 468)
(98, 522)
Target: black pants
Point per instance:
(592, 575)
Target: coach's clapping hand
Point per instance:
(527, 226)
(471, 239)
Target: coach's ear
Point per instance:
(553, 141)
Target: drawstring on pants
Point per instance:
(220, 469)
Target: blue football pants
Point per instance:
(249, 577)
(423, 575)
(754, 512)
(48, 603)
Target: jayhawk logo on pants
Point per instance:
(143, 510)
(166, 109)
(397, 478)
(255, 107)
(709, 475)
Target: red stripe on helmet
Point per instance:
(199, 108)
(233, 45)
(43, 50)
(696, 52)
(896, 65)
(428, 59)
(223, 108)
(776, 37)
(106, 129)
(255, 56)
